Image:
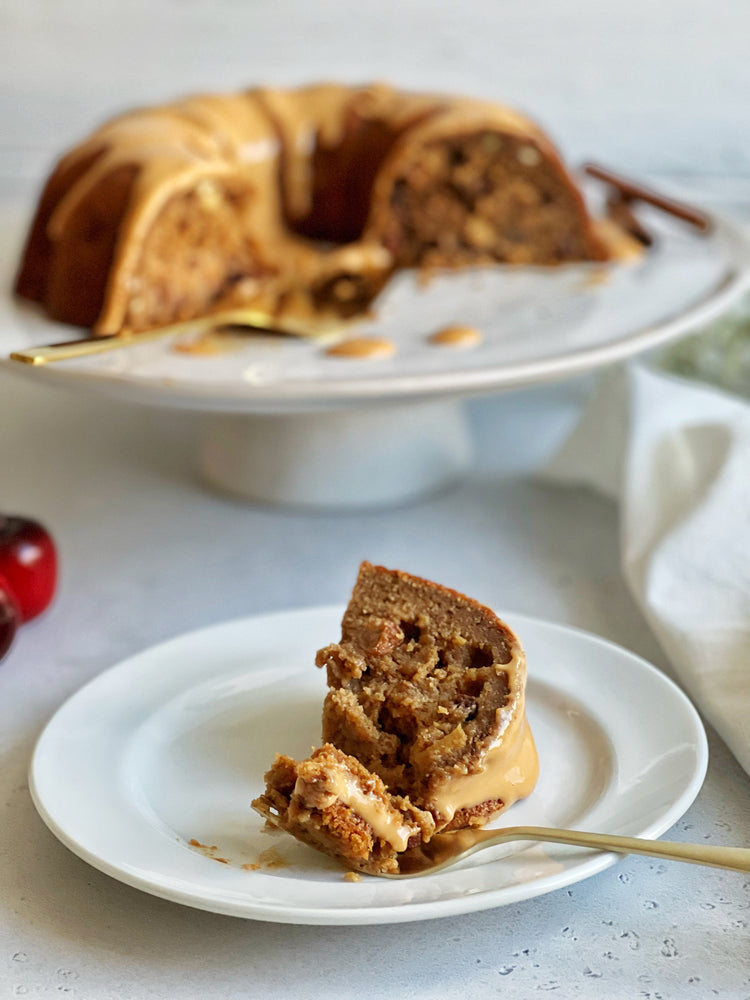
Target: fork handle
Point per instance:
(251, 319)
(735, 858)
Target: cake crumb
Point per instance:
(202, 847)
(352, 877)
(209, 851)
(270, 859)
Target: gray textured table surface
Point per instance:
(147, 553)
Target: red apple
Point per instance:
(10, 616)
(28, 562)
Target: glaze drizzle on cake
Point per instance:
(292, 203)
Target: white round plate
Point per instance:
(538, 324)
(171, 746)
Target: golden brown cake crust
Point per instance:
(220, 202)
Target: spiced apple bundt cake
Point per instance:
(425, 714)
(292, 203)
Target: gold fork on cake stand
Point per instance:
(244, 320)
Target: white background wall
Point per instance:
(652, 86)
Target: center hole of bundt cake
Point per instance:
(342, 178)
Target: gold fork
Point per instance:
(446, 849)
(248, 320)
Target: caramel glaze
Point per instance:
(386, 822)
(502, 770)
(299, 152)
(363, 348)
(456, 336)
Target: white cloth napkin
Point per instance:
(676, 455)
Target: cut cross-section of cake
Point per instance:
(333, 803)
(424, 726)
(427, 690)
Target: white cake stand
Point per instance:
(286, 423)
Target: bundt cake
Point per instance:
(425, 714)
(291, 203)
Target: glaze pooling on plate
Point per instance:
(171, 745)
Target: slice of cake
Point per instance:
(424, 726)
(427, 690)
(333, 803)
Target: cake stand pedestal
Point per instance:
(356, 458)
